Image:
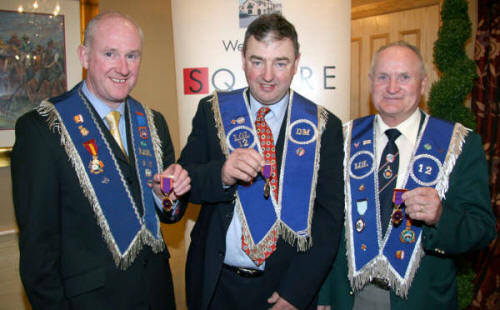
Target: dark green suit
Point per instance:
(65, 262)
(467, 223)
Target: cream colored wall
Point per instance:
(157, 89)
(156, 85)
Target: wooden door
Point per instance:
(416, 26)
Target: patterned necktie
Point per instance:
(387, 176)
(113, 118)
(267, 145)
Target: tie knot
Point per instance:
(113, 118)
(392, 134)
(262, 112)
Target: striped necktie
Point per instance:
(387, 176)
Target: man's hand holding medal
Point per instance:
(172, 183)
(422, 204)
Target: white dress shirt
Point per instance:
(405, 143)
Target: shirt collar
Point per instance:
(278, 109)
(101, 108)
(408, 128)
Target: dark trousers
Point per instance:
(234, 292)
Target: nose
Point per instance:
(268, 75)
(393, 86)
(122, 66)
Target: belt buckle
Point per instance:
(381, 283)
(246, 272)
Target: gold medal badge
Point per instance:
(96, 166)
(397, 213)
(266, 173)
(166, 185)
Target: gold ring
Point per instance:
(422, 209)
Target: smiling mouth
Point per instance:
(267, 86)
(118, 80)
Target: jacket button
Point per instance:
(351, 293)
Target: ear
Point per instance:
(296, 64)
(423, 86)
(83, 55)
(243, 60)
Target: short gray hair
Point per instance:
(90, 30)
(400, 44)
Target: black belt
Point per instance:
(381, 283)
(244, 272)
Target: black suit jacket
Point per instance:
(64, 260)
(297, 276)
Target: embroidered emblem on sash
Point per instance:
(78, 119)
(143, 132)
(425, 169)
(303, 131)
(95, 164)
(241, 137)
(361, 165)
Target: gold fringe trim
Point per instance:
(218, 124)
(256, 250)
(303, 238)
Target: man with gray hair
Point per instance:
(416, 194)
(93, 174)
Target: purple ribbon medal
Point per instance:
(397, 213)
(266, 173)
(166, 185)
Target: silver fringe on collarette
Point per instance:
(379, 267)
(454, 150)
(303, 239)
(48, 110)
(156, 244)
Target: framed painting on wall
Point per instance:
(32, 62)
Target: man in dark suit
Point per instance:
(88, 203)
(266, 165)
(427, 201)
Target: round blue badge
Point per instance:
(240, 137)
(426, 169)
(361, 164)
(302, 131)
